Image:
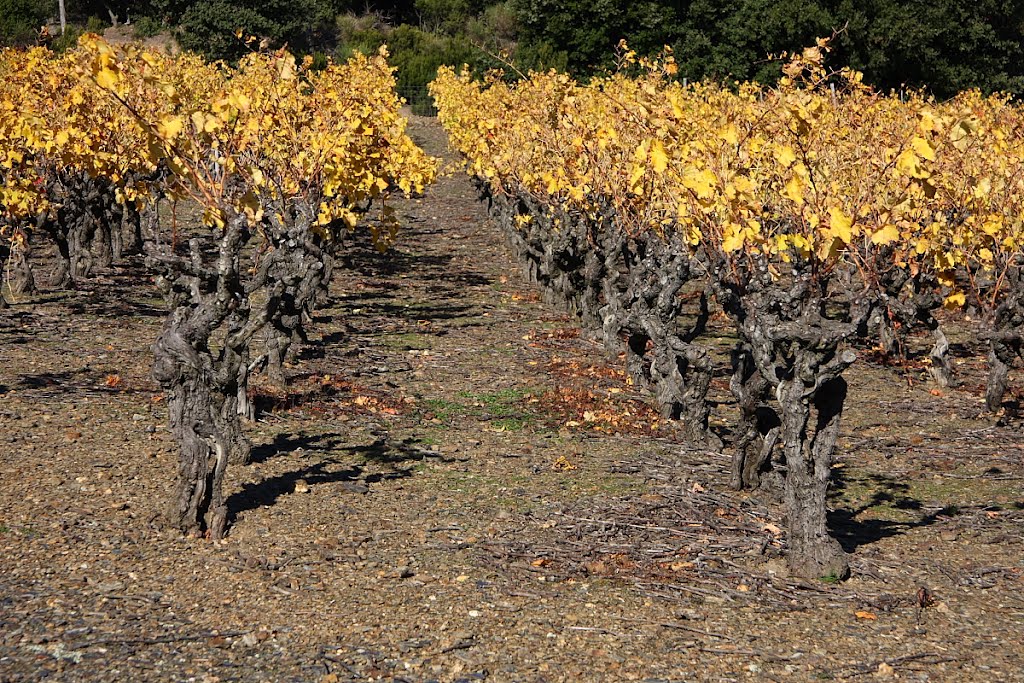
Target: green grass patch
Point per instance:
(409, 341)
(505, 409)
(884, 498)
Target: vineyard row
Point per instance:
(282, 162)
(817, 214)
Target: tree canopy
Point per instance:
(942, 46)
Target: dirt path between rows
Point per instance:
(458, 487)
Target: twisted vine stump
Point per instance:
(199, 358)
(791, 347)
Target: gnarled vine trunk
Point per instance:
(793, 345)
(757, 431)
(200, 362)
(1005, 338)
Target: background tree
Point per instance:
(943, 46)
(20, 20)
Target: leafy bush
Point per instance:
(95, 25)
(210, 27)
(20, 21)
(147, 27)
(417, 54)
(68, 40)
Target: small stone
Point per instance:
(475, 613)
(301, 486)
(110, 586)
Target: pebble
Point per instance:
(249, 640)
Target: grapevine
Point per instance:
(281, 160)
(814, 212)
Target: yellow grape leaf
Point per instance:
(213, 218)
(732, 240)
(954, 301)
(350, 218)
(286, 68)
(961, 132)
(659, 159)
(982, 188)
(782, 246)
(993, 225)
(743, 185)
(107, 79)
(923, 148)
(794, 190)
(562, 464)
(170, 127)
(785, 155)
(840, 224)
(730, 134)
(700, 182)
(635, 178)
(945, 260)
(886, 235)
(909, 164)
(927, 121)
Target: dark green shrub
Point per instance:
(147, 27)
(95, 25)
(210, 27)
(20, 21)
(68, 40)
